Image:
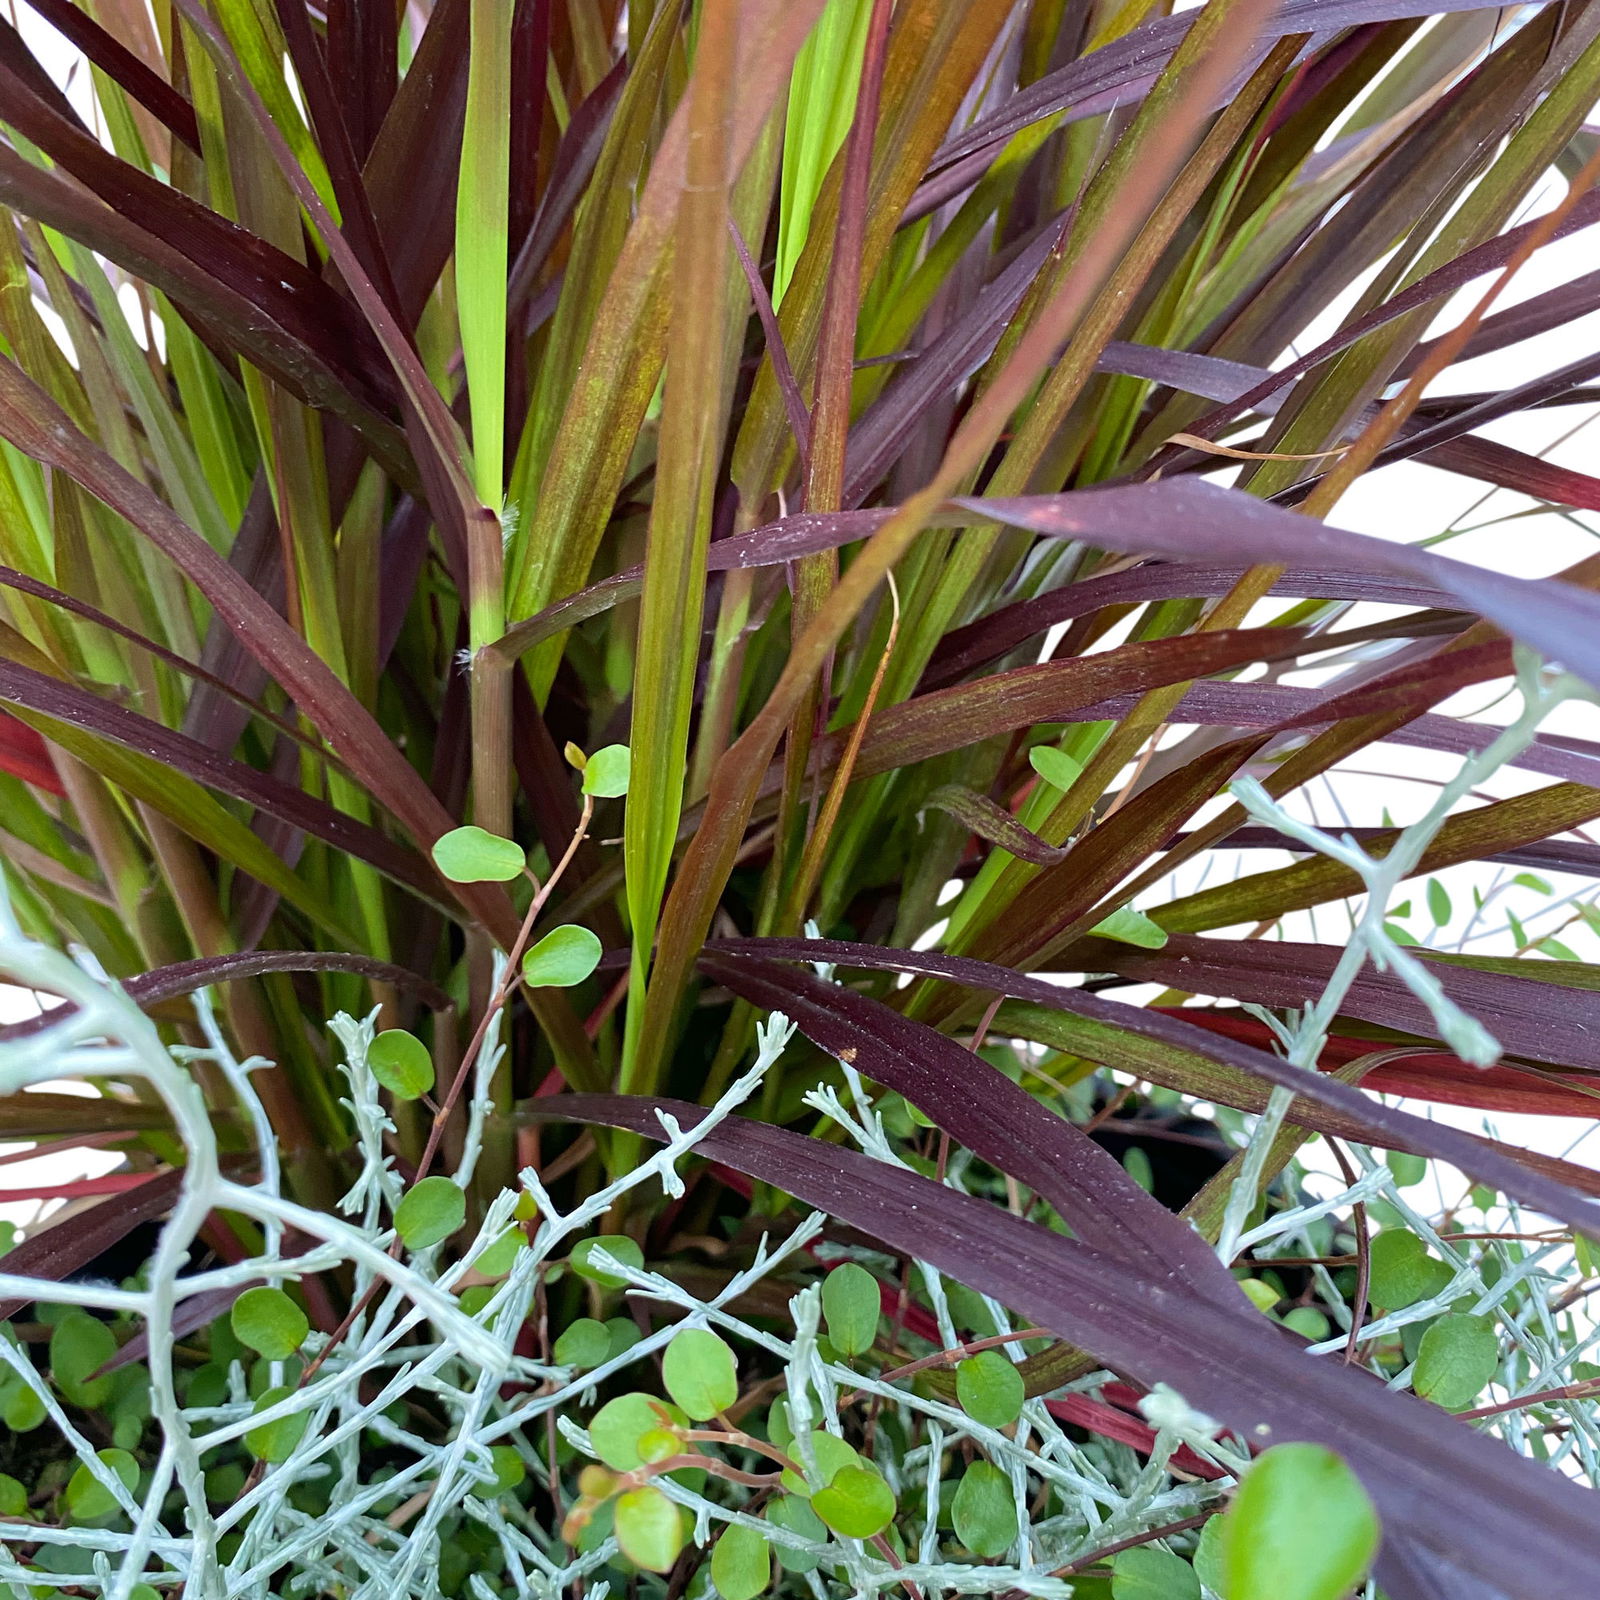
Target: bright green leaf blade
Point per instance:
(990, 1388)
(1149, 1573)
(856, 1503)
(619, 1425)
(741, 1563)
(606, 772)
(564, 957)
(269, 1322)
(474, 855)
(1300, 1528)
(401, 1063)
(1458, 1355)
(850, 1307)
(584, 1343)
(618, 1246)
(1132, 927)
(429, 1212)
(649, 1527)
(984, 1510)
(274, 1442)
(699, 1372)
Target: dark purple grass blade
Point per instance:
(52, 697)
(363, 40)
(1223, 704)
(1181, 518)
(1383, 1123)
(215, 248)
(37, 426)
(1504, 403)
(11, 579)
(1492, 462)
(1123, 70)
(981, 816)
(1555, 308)
(982, 1109)
(1543, 855)
(878, 437)
(328, 107)
(794, 403)
(1530, 1533)
(530, 98)
(57, 1252)
(188, 977)
(123, 67)
(16, 58)
(1535, 1020)
(301, 340)
(1446, 280)
(965, 649)
(410, 175)
(574, 164)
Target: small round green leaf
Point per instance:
(857, 1503)
(13, 1497)
(275, 1441)
(509, 1470)
(700, 1373)
(22, 1410)
(1407, 1168)
(429, 1212)
(990, 1388)
(831, 1454)
(1300, 1528)
(1132, 927)
(984, 1510)
(741, 1563)
(1438, 902)
(657, 1444)
(474, 855)
(649, 1527)
(1057, 768)
(1402, 1270)
(498, 1257)
(1308, 1322)
(1457, 1357)
(1260, 1293)
(850, 1304)
(1208, 1556)
(1148, 1573)
(401, 1063)
(79, 1346)
(88, 1499)
(605, 773)
(617, 1427)
(269, 1322)
(616, 1245)
(791, 1512)
(565, 956)
(584, 1343)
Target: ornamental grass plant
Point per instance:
(668, 681)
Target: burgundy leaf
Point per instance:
(57, 1251)
(122, 66)
(1531, 1533)
(982, 641)
(1384, 1125)
(1182, 517)
(978, 1105)
(1542, 1021)
(161, 984)
(52, 697)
